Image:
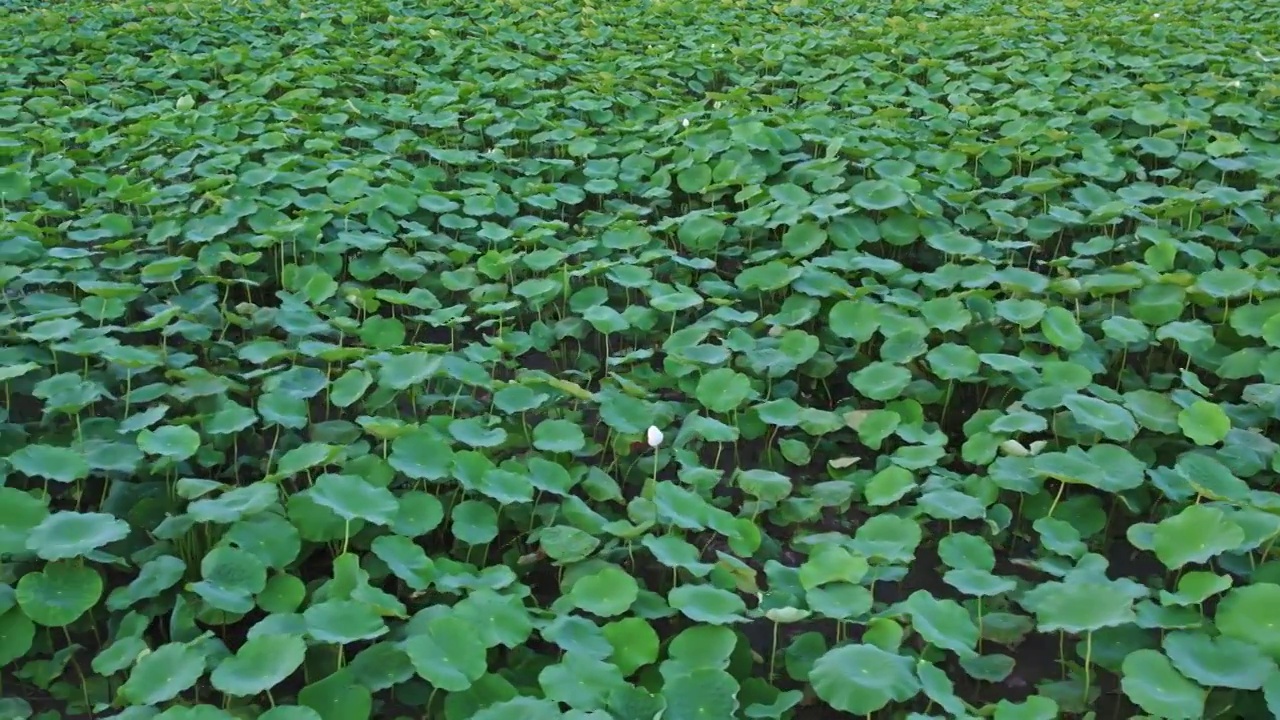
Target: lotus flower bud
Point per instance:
(653, 436)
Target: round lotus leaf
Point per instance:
(58, 594)
(405, 370)
(353, 498)
(381, 666)
(20, 512)
(723, 390)
(1113, 421)
(1218, 661)
(1061, 329)
(582, 682)
(474, 522)
(17, 632)
(421, 456)
(701, 232)
(154, 577)
(950, 361)
(607, 592)
(635, 643)
(419, 513)
(283, 594)
(881, 381)
(1249, 613)
(566, 544)
(702, 694)
(605, 319)
(500, 619)
(708, 646)
(854, 320)
(888, 536)
(965, 550)
(987, 668)
(518, 399)
(1210, 478)
(878, 194)
(861, 679)
(707, 604)
(889, 486)
(349, 387)
(176, 442)
(1204, 423)
(162, 675)
(558, 436)
(268, 536)
(830, 564)
(231, 577)
(446, 652)
(317, 523)
(1194, 535)
(56, 463)
(1079, 607)
(337, 697)
(235, 504)
(15, 185)
(259, 665)
(840, 600)
(979, 583)
(942, 623)
(1154, 685)
(305, 457)
(475, 432)
(937, 686)
(344, 621)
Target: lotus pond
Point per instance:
(703, 360)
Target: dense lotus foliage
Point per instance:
(711, 360)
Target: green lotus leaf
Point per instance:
(1218, 661)
(723, 390)
(162, 675)
(305, 457)
(59, 594)
(445, 652)
(17, 632)
(607, 592)
(344, 621)
(50, 461)
(861, 679)
(582, 682)
(354, 498)
(557, 436)
(703, 603)
(1243, 614)
(1150, 680)
(635, 643)
(1196, 534)
(260, 664)
(176, 442)
(20, 513)
(1079, 606)
(1204, 423)
(230, 579)
(702, 694)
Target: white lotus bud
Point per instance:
(654, 436)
